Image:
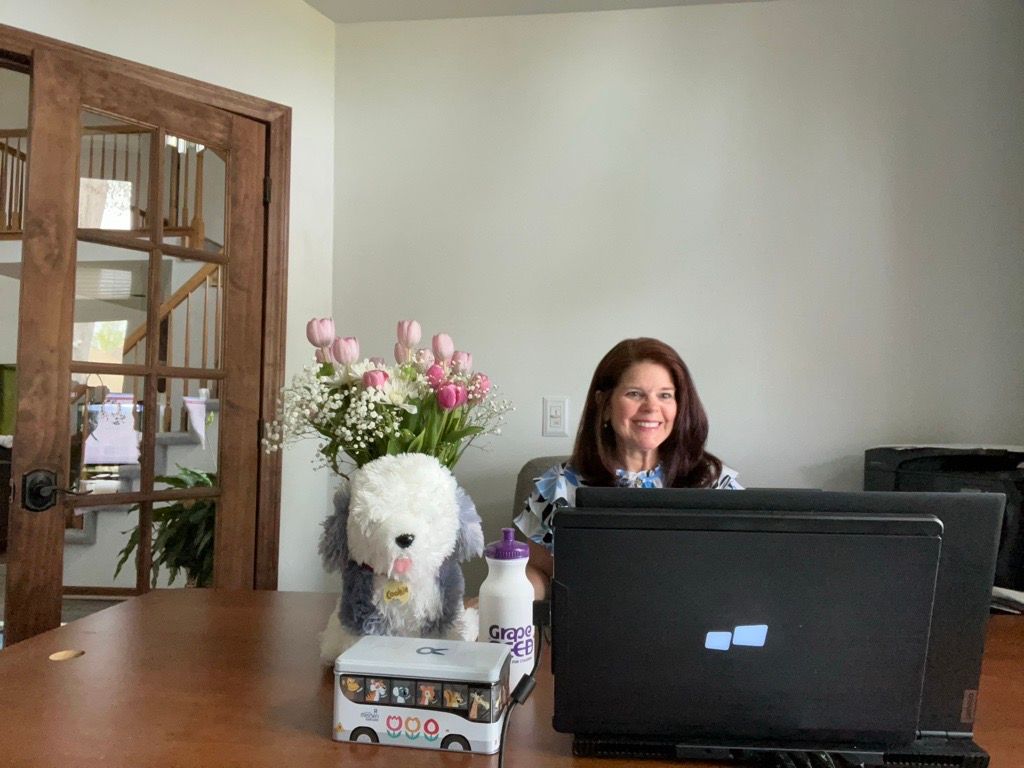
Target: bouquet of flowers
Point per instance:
(430, 401)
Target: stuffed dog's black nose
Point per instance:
(405, 540)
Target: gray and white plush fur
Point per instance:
(401, 519)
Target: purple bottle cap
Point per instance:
(507, 548)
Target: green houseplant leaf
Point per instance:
(183, 532)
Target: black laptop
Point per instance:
(720, 624)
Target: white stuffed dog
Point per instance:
(398, 533)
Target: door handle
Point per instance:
(39, 490)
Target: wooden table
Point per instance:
(211, 678)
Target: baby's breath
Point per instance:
(355, 423)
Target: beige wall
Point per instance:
(280, 50)
(818, 202)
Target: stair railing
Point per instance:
(199, 345)
(114, 152)
(13, 157)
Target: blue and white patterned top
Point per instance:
(556, 489)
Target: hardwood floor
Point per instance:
(72, 608)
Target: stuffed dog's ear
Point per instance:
(334, 539)
(471, 535)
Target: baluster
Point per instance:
(218, 298)
(184, 202)
(20, 189)
(113, 174)
(164, 342)
(206, 327)
(167, 409)
(103, 156)
(188, 332)
(198, 225)
(136, 188)
(164, 354)
(12, 197)
(186, 343)
(92, 150)
(175, 165)
(4, 197)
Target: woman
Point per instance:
(643, 426)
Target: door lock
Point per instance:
(39, 490)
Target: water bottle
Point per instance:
(506, 603)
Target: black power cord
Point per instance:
(522, 691)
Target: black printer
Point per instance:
(964, 469)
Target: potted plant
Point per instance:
(182, 532)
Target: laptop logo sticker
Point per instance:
(749, 635)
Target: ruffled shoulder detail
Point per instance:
(555, 489)
(727, 480)
(556, 486)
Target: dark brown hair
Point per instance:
(683, 459)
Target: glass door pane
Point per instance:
(14, 98)
(114, 175)
(148, 320)
(144, 380)
(193, 185)
(111, 298)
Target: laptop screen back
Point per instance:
(741, 626)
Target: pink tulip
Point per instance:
(435, 376)
(402, 353)
(444, 347)
(462, 361)
(375, 379)
(346, 350)
(462, 395)
(448, 397)
(320, 331)
(378, 361)
(409, 333)
(424, 358)
(479, 386)
(323, 355)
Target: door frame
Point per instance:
(20, 46)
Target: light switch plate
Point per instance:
(555, 417)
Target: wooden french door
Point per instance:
(101, 400)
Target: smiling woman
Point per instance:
(643, 426)
(641, 410)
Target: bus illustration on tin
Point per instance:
(423, 693)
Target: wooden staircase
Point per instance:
(188, 309)
(189, 328)
(115, 153)
(13, 158)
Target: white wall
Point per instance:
(817, 202)
(9, 299)
(280, 50)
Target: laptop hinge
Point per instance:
(945, 734)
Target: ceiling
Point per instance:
(348, 11)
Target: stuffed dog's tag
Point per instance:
(396, 592)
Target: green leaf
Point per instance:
(459, 435)
(183, 531)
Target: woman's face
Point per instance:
(642, 413)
